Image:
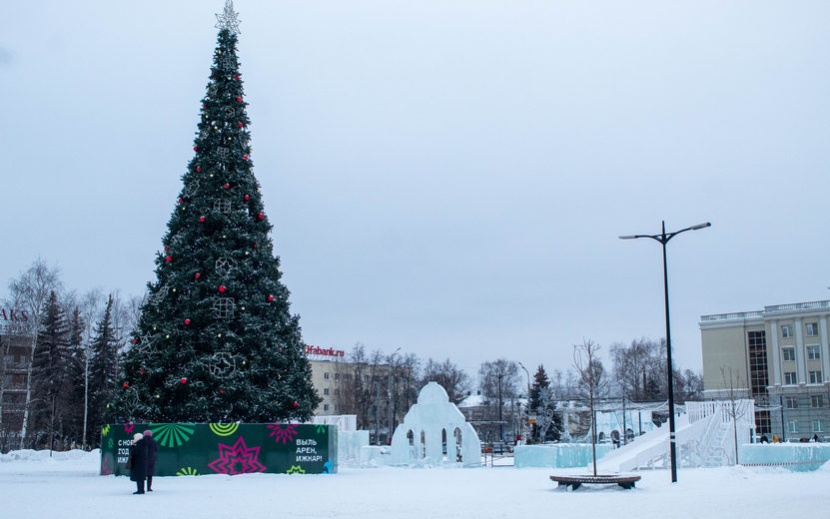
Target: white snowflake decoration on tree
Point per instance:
(223, 307)
(222, 364)
(191, 189)
(159, 296)
(228, 19)
(227, 62)
(222, 205)
(224, 266)
(147, 343)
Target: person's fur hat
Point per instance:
(137, 436)
(149, 433)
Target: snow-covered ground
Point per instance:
(33, 485)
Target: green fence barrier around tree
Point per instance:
(187, 449)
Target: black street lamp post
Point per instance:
(501, 428)
(664, 238)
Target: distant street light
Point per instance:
(501, 428)
(527, 404)
(528, 379)
(391, 397)
(664, 238)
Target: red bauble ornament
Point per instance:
(238, 99)
(179, 200)
(237, 77)
(239, 124)
(255, 245)
(221, 391)
(227, 186)
(261, 216)
(246, 197)
(142, 371)
(169, 259)
(125, 385)
(135, 340)
(244, 157)
(222, 289)
(187, 322)
(197, 275)
(270, 298)
(183, 380)
(201, 219)
(195, 148)
(198, 169)
(166, 248)
(295, 403)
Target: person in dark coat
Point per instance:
(138, 452)
(152, 451)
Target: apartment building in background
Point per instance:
(15, 348)
(780, 357)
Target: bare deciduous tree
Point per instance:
(639, 368)
(591, 383)
(449, 376)
(30, 293)
(734, 391)
(91, 306)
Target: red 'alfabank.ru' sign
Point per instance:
(325, 352)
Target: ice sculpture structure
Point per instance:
(435, 432)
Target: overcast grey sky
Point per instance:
(447, 177)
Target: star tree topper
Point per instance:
(228, 19)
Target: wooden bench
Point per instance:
(575, 481)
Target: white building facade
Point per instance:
(780, 357)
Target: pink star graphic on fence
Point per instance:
(128, 428)
(237, 459)
(283, 435)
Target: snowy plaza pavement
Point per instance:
(68, 486)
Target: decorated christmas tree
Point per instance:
(216, 341)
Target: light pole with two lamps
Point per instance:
(664, 238)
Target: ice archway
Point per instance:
(435, 431)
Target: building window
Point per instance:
(326, 375)
(813, 352)
(786, 330)
(790, 378)
(325, 391)
(812, 329)
(818, 426)
(792, 426)
(337, 376)
(758, 371)
(815, 377)
(791, 402)
(817, 400)
(325, 407)
(788, 354)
